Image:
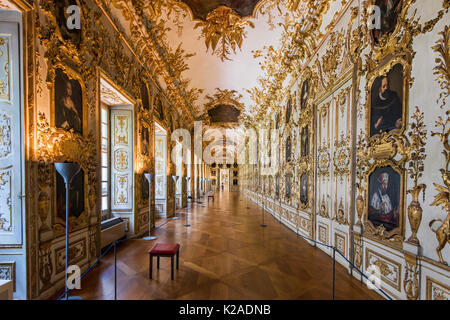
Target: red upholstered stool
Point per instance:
(164, 250)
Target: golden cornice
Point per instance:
(147, 46)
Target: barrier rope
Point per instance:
(115, 243)
(89, 269)
(335, 250)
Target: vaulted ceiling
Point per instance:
(222, 68)
(245, 50)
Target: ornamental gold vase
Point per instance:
(359, 209)
(415, 214)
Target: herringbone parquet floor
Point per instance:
(225, 254)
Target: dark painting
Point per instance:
(288, 186)
(201, 8)
(159, 109)
(277, 186)
(389, 10)
(145, 141)
(277, 121)
(72, 35)
(224, 113)
(384, 198)
(144, 97)
(386, 110)
(68, 103)
(288, 149)
(304, 181)
(288, 110)
(304, 142)
(305, 94)
(145, 190)
(76, 196)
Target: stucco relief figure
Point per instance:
(389, 9)
(386, 108)
(384, 198)
(68, 103)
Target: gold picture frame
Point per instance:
(393, 41)
(72, 75)
(384, 70)
(71, 146)
(379, 233)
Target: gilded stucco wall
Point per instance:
(343, 159)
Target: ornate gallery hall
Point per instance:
(224, 150)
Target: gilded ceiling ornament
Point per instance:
(224, 97)
(150, 46)
(223, 31)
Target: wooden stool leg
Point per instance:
(151, 266)
(178, 259)
(171, 269)
(157, 263)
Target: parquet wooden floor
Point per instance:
(225, 254)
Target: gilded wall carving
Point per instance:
(349, 71)
(5, 57)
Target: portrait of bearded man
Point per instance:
(384, 198)
(389, 10)
(386, 106)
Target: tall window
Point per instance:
(105, 162)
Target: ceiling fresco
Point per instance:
(201, 8)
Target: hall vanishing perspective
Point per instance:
(224, 150)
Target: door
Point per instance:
(10, 126)
(122, 161)
(12, 236)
